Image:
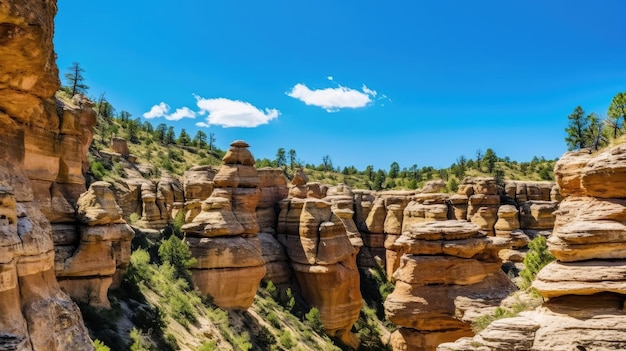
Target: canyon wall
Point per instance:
(43, 151)
(584, 288)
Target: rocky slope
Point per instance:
(584, 288)
(43, 152)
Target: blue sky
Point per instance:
(361, 81)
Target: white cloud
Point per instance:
(330, 78)
(157, 111)
(368, 91)
(202, 124)
(163, 109)
(332, 99)
(233, 113)
(181, 113)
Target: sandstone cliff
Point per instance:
(584, 288)
(43, 152)
(314, 229)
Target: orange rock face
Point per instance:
(223, 236)
(322, 241)
(448, 271)
(43, 155)
(585, 287)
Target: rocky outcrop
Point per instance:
(449, 271)
(223, 236)
(273, 188)
(92, 257)
(585, 286)
(315, 233)
(198, 182)
(43, 152)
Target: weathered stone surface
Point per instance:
(508, 220)
(432, 307)
(588, 228)
(225, 252)
(568, 171)
(538, 214)
(43, 153)
(581, 278)
(275, 258)
(299, 178)
(442, 230)
(273, 189)
(98, 206)
(198, 182)
(222, 237)
(322, 241)
(334, 289)
(428, 270)
(394, 205)
(231, 288)
(585, 286)
(565, 323)
(407, 339)
(424, 210)
(433, 186)
(120, 145)
(604, 175)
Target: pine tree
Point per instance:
(577, 129)
(75, 79)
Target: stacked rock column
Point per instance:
(448, 272)
(322, 256)
(223, 236)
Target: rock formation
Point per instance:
(315, 234)
(43, 151)
(585, 286)
(223, 236)
(449, 271)
(93, 257)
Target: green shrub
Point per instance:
(537, 257)
(286, 340)
(171, 341)
(175, 252)
(149, 319)
(97, 169)
(273, 319)
(134, 218)
(208, 346)
(314, 319)
(519, 306)
(138, 342)
(100, 346)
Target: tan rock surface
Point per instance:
(581, 278)
(198, 182)
(322, 241)
(538, 214)
(562, 324)
(223, 236)
(604, 175)
(43, 152)
(275, 258)
(568, 171)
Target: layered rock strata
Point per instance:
(92, 257)
(585, 287)
(223, 236)
(43, 152)
(315, 234)
(449, 272)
